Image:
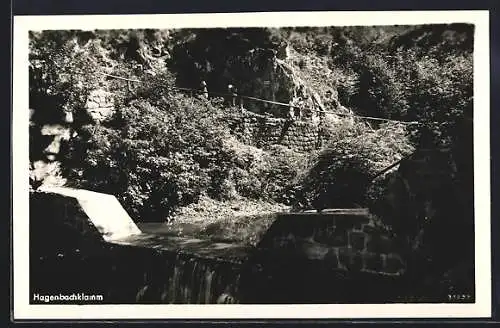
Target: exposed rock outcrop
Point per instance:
(264, 71)
(100, 105)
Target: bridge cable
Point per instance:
(268, 101)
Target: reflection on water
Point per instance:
(197, 247)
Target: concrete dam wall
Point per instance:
(302, 258)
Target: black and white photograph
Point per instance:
(237, 163)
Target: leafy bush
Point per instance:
(442, 100)
(264, 175)
(279, 166)
(341, 173)
(164, 151)
(156, 158)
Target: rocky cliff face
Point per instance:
(259, 69)
(48, 141)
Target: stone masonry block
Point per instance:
(350, 222)
(350, 259)
(336, 238)
(370, 229)
(356, 262)
(332, 257)
(378, 243)
(394, 264)
(344, 255)
(313, 251)
(373, 262)
(358, 226)
(357, 240)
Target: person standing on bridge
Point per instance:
(308, 108)
(290, 115)
(238, 99)
(203, 89)
(231, 95)
(234, 98)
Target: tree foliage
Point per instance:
(62, 73)
(341, 174)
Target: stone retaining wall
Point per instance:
(262, 131)
(346, 241)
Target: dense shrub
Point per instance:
(439, 94)
(341, 173)
(443, 105)
(158, 158)
(165, 150)
(278, 167)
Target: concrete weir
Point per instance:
(101, 211)
(83, 241)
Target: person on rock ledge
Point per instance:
(302, 103)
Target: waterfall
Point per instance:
(173, 278)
